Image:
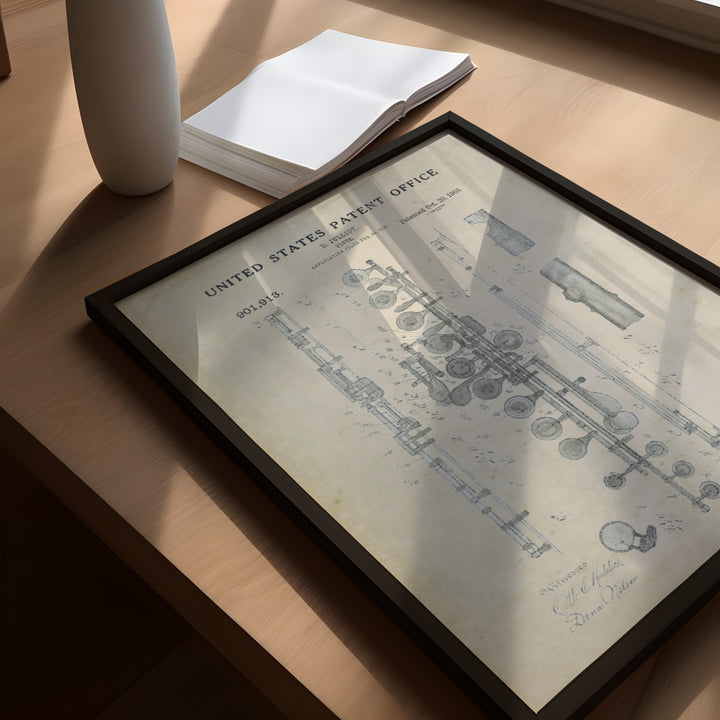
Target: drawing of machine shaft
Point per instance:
(614, 420)
(506, 237)
(413, 438)
(673, 417)
(499, 363)
(575, 448)
(577, 287)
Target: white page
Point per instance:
(311, 103)
(387, 69)
(296, 118)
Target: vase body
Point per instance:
(127, 90)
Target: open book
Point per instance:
(308, 111)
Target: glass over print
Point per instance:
(502, 400)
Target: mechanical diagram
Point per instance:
(458, 361)
(619, 536)
(412, 438)
(577, 287)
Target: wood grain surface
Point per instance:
(632, 118)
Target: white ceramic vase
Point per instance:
(127, 89)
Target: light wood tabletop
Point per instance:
(632, 118)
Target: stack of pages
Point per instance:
(308, 111)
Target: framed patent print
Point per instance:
(490, 395)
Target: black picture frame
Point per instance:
(469, 668)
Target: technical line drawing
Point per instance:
(521, 406)
(577, 287)
(355, 278)
(619, 536)
(508, 339)
(383, 299)
(506, 237)
(546, 428)
(409, 434)
(710, 490)
(483, 366)
(582, 350)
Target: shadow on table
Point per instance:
(672, 73)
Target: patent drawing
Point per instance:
(577, 287)
(709, 433)
(476, 366)
(506, 237)
(413, 438)
(619, 536)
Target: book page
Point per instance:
(307, 106)
(282, 117)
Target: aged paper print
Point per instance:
(501, 399)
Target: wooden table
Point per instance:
(634, 119)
